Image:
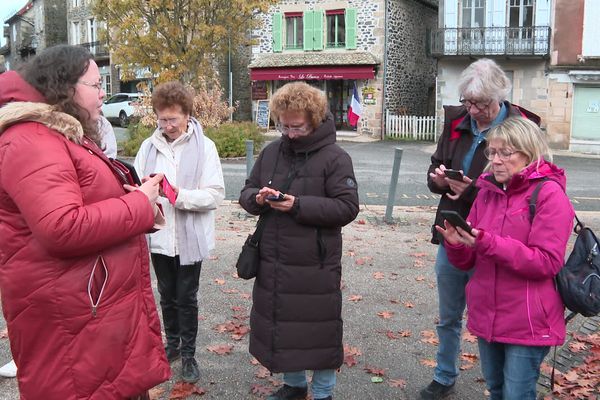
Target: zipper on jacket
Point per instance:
(91, 281)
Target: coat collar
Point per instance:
(22, 111)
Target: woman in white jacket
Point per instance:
(191, 165)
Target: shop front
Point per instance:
(337, 81)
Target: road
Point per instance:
(373, 163)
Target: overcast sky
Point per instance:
(7, 8)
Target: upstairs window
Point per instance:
(294, 29)
(520, 15)
(336, 28)
(473, 12)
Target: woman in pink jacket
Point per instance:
(514, 308)
(74, 274)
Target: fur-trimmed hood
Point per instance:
(20, 102)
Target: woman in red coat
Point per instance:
(74, 274)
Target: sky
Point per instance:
(7, 8)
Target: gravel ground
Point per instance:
(390, 266)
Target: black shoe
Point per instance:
(289, 393)
(326, 398)
(436, 390)
(173, 353)
(189, 370)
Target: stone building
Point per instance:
(549, 48)
(37, 25)
(83, 30)
(377, 45)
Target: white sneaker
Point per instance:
(9, 370)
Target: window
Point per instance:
(336, 28)
(75, 33)
(107, 87)
(76, 3)
(14, 32)
(520, 19)
(473, 13)
(91, 30)
(294, 29)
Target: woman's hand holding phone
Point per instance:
(275, 199)
(150, 187)
(456, 230)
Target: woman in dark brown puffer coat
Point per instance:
(296, 315)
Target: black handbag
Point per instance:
(249, 258)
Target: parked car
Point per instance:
(120, 107)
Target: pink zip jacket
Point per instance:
(511, 297)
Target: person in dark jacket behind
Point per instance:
(483, 87)
(74, 274)
(296, 322)
(514, 307)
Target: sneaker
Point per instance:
(289, 393)
(172, 353)
(189, 370)
(9, 370)
(436, 390)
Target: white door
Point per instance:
(585, 125)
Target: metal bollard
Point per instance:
(393, 184)
(249, 156)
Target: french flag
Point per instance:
(355, 109)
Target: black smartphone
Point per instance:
(281, 197)
(454, 174)
(455, 220)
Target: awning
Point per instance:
(321, 72)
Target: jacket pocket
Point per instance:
(97, 283)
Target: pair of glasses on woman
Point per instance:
(291, 129)
(164, 122)
(503, 154)
(480, 105)
(95, 85)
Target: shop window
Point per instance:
(294, 31)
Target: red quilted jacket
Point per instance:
(61, 208)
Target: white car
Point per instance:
(120, 107)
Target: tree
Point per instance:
(176, 39)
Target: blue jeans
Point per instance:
(323, 381)
(511, 371)
(451, 283)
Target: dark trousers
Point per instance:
(178, 288)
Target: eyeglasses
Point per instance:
(163, 122)
(480, 105)
(503, 154)
(96, 85)
(291, 129)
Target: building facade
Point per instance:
(377, 46)
(549, 49)
(37, 25)
(83, 30)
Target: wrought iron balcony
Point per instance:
(522, 41)
(98, 49)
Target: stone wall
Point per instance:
(410, 80)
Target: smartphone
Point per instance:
(455, 220)
(168, 190)
(281, 197)
(454, 174)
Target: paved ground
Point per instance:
(388, 266)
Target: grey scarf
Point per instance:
(191, 240)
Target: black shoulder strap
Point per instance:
(533, 202)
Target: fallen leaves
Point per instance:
(350, 354)
(220, 349)
(397, 383)
(4, 333)
(155, 393)
(355, 298)
(183, 390)
(467, 337)
(378, 275)
(428, 362)
(429, 337)
(374, 370)
(237, 329)
(385, 314)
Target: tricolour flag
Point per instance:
(355, 109)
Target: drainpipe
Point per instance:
(385, 60)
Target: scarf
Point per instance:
(191, 240)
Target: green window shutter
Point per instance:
(318, 21)
(350, 28)
(277, 32)
(307, 23)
